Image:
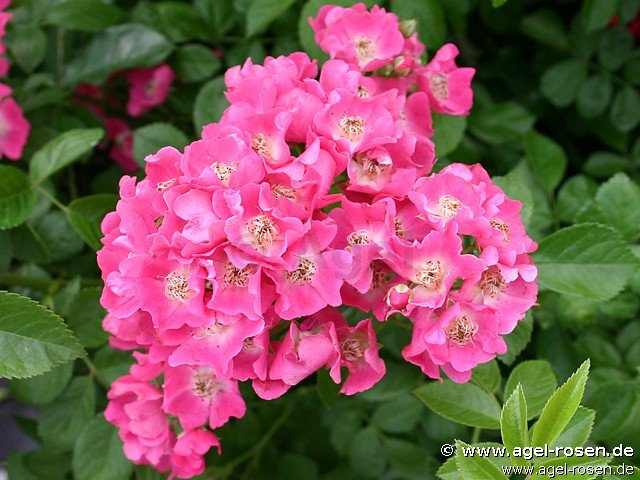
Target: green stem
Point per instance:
(475, 436)
(93, 371)
(51, 198)
(59, 55)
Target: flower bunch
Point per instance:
(14, 127)
(230, 261)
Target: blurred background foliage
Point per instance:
(556, 115)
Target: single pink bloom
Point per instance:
(14, 127)
(148, 87)
(187, 457)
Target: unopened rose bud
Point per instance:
(408, 27)
(398, 297)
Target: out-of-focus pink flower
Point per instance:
(148, 87)
(14, 127)
(119, 132)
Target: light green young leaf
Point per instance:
(17, 198)
(513, 423)
(576, 259)
(464, 403)
(537, 381)
(98, 453)
(32, 339)
(547, 159)
(262, 12)
(560, 408)
(86, 213)
(62, 151)
(475, 467)
(117, 48)
(577, 431)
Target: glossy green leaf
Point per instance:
(464, 403)
(487, 376)
(85, 215)
(33, 339)
(62, 151)
(84, 15)
(117, 48)
(578, 430)
(262, 12)
(573, 195)
(98, 453)
(538, 382)
(17, 197)
(195, 63)
(547, 159)
(589, 259)
(149, 139)
(476, 467)
(62, 421)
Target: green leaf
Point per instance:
(449, 132)
(85, 318)
(464, 403)
(589, 259)
(367, 453)
(597, 13)
(513, 423)
(605, 164)
(517, 340)
(578, 430)
(400, 415)
(17, 469)
(61, 422)
(517, 190)
(28, 46)
(547, 159)
(537, 381)
(615, 402)
(409, 460)
(399, 379)
(617, 198)
(487, 376)
(62, 151)
(262, 12)
(111, 364)
(218, 14)
(98, 453)
(573, 195)
(625, 110)
(44, 388)
(117, 48)
(210, 103)
(560, 408)
(149, 139)
(561, 83)
(17, 198)
(546, 26)
(181, 21)
(83, 15)
(498, 3)
(6, 252)
(195, 63)
(47, 240)
(32, 339)
(615, 47)
(475, 467)
(594, 96)
(501, 123)
(85, 215)
(432, 25)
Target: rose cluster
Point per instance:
(229, 262)
(14, 127)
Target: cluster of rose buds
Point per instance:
(14, 128)
(230, 262)
(148, 88)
